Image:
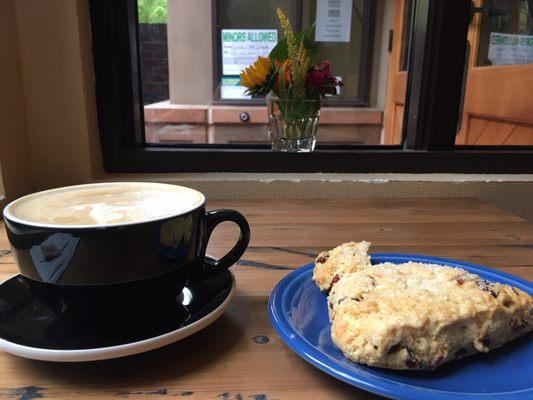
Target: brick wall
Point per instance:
(154, 62)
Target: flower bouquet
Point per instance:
(294, 85)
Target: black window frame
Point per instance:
(365, 57)
(432, 108)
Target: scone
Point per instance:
(419, 316)
(343, 259)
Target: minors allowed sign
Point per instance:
(241, 47)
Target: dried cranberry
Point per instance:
(517, 324)
(322, 259)
(336, 278)
(460, 281)
(358, 299)
(434, 364)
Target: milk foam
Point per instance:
(105, 204)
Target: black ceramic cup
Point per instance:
(112, 265)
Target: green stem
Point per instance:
(296, 114)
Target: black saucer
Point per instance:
(29, 321)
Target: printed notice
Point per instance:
(333, 20)
(505, 49)
(230, 88)
(241, 47)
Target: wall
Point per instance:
(154, 62)
(15, 162)
(57, 75)
(190, 83)
(51, 83)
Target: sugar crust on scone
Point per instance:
(331, 265)
(419, 316)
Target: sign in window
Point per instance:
(240, 48)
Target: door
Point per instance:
(402, 11)
(498, 103)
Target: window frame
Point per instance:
(436, 66)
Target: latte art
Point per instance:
(105, 204)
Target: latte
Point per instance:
(104, 204)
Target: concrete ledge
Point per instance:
(513, 193)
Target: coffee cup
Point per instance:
(131, 240)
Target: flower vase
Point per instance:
(292, 123)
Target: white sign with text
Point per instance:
(505, 49)
(333, 20)
(241, 47)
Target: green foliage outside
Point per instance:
(152, 11)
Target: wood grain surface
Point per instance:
(239, 356)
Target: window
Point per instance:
(169, 99)
(193, 73)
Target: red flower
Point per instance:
(320, 78)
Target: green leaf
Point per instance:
(311, 49)
(281, 52)
(308, 31)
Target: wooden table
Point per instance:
(239, 356)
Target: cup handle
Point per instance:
(210, 266)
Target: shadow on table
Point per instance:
(181, 358)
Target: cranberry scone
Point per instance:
(331, 265)
(419, 316)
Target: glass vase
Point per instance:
(292, 123)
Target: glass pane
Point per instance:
(497, 100)
(345, 56)
(192, 53)
(249, 17)
(506, 33)
(153, 49)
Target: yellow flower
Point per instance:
(292, 46)
(256, 74)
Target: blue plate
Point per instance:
(298, 312)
